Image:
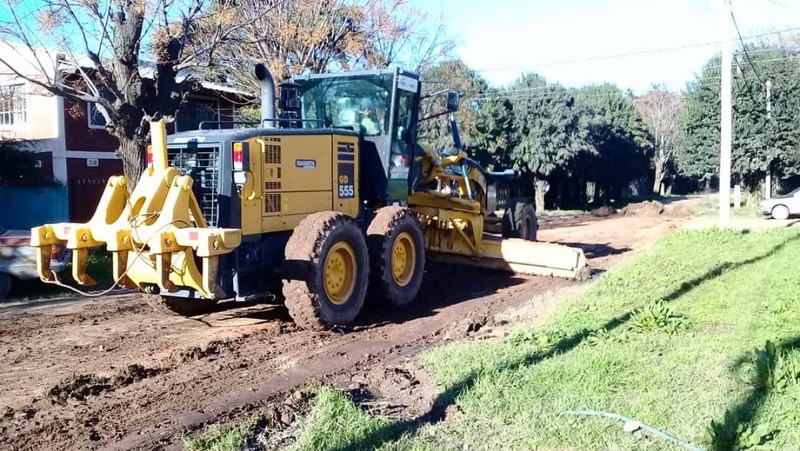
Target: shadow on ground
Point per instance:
(596, 250)
(443, 285)
(725, 435)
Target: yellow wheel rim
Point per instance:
(404, 259)
(339, 272)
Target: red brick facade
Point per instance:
(85, 181)
(78, 134)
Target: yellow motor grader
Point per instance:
(327, 203)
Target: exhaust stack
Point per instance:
(267, 96)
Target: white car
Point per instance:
(781, 207)
(18, 258)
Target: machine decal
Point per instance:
(305, 164)
(345, 154)
(346, 181)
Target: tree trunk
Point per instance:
(658, 179)
(133, 159)
(540, 192)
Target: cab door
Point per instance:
(403, 136)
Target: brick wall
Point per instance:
(79, 136)
(77, 168)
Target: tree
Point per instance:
(697, 156)
(759, 142)
(549, 127)
(297, 36)
(660, 109)
(617, 135)
(97, 51)
(449, 75)
(493, 132)
(550, 131)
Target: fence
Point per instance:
(23, 208)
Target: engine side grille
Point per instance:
(272, 151)
(272, 203)
(202, 164)
(272, 170)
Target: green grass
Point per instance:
(222, 439)
(676, 339)
(335, 423)
(709, 206)
(332, 423)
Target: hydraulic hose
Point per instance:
(113, 286)
(650, 429)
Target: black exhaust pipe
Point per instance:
(267, 96)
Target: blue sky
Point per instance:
(503, 38)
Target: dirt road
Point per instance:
(111, 373)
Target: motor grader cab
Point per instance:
(323, 204)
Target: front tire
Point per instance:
(519, 220)
(397, 256)
(780, 212)
(328, 268)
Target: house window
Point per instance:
(13, 105)
(95, 117)
(195, 111)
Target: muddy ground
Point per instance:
(111, 373)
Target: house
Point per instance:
(70, 136)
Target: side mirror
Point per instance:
(452, 101)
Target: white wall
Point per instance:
(44, 124)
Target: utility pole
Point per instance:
(726, 122)
(768, 177)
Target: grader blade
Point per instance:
(454, 233)
(524, 257)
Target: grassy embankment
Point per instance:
(700, 339)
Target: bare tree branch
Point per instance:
(111, 70)
(660, 109)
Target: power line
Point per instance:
(589, 96)
(744, 46)
(790, 57)
(628, 54)
(541, 92)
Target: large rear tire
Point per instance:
(396, 255)
(519, 220)
(179, 306)
(328, 270)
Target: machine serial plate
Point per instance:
(305, 164)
